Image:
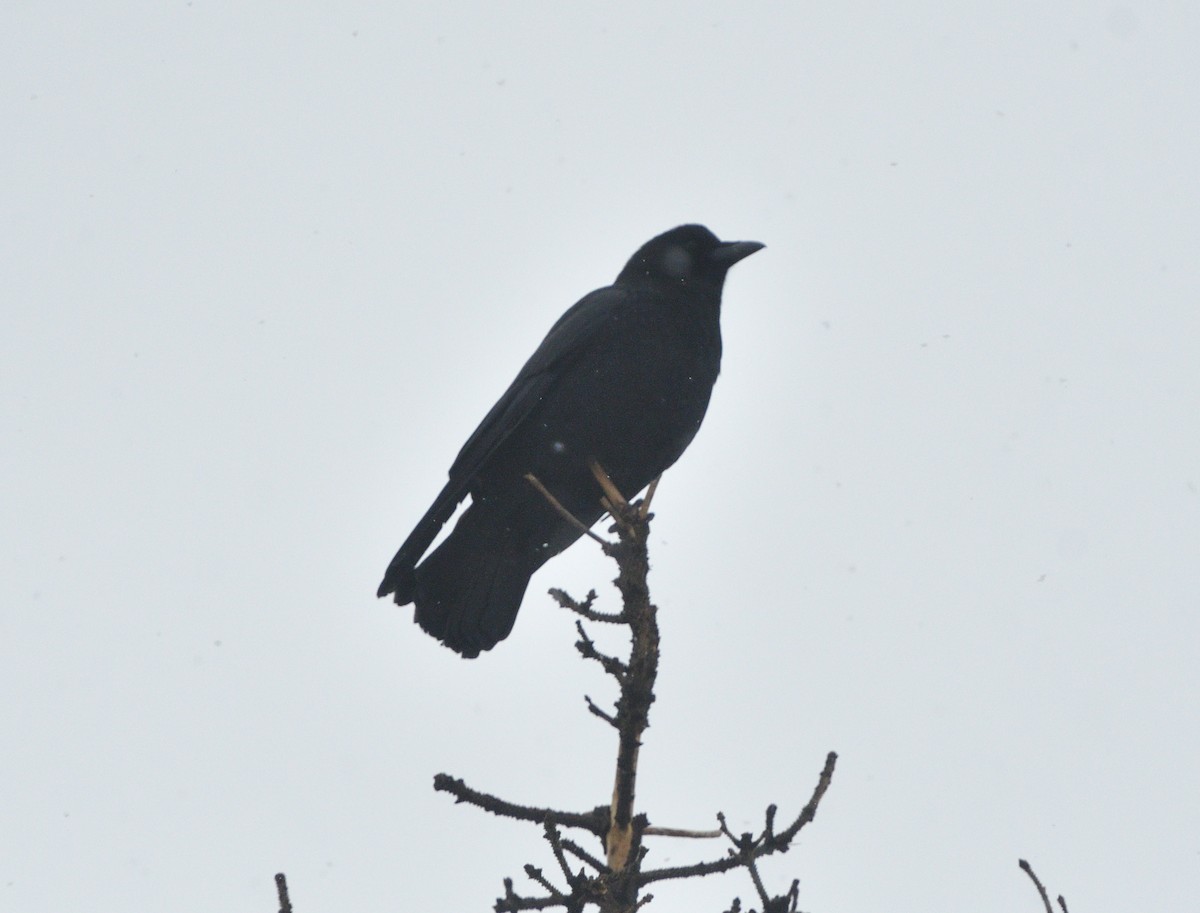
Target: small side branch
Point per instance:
(596, 711)
(644, 510)
(1041, 889)
(587, 649)
(614, 502)
(512, 902)
(594, 822)
(653, 831)
(809, 812)
(584, 856)
(585, 609)
(281, 889)
(563, 512)
(748, 849)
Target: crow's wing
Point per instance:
(590, 321)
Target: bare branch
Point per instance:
(512, 902)
(758, 885)
(580, 853)
(616, 500)
(607, 717)
(644, 509)
(535, 874)
(1028, 870)
(613, 884)
(637, 687)
(585, 608)
(809, 812)
(748, 848)
(594, 821)
(563, 512)
(653, 831)
(587, 649)
(281, 888)
(554, 838)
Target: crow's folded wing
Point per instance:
(590, 321)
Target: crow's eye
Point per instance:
(677, 262)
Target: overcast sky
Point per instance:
(265, 267)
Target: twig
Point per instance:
(580, 853)
(592, 708)
(644, 510)
(616, 500)
(1028, 870)
(554, 838)
(585, 608)
(653, 831)
(512, 902)
(792, 898)
(809, 812)
(281, 888)
(758, 885)
(563, 512)
(595, 821)
(748, 847)
(535, 874)
(587, 647)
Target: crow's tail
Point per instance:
(469, 590)
(399, 577)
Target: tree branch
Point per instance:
(563, 512)
(1041, 889)
(594, 821)
(614, 883)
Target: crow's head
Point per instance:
(687, 255)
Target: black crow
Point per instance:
(623, 378)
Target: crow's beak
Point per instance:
(728, 253)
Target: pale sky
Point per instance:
(267, 265)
